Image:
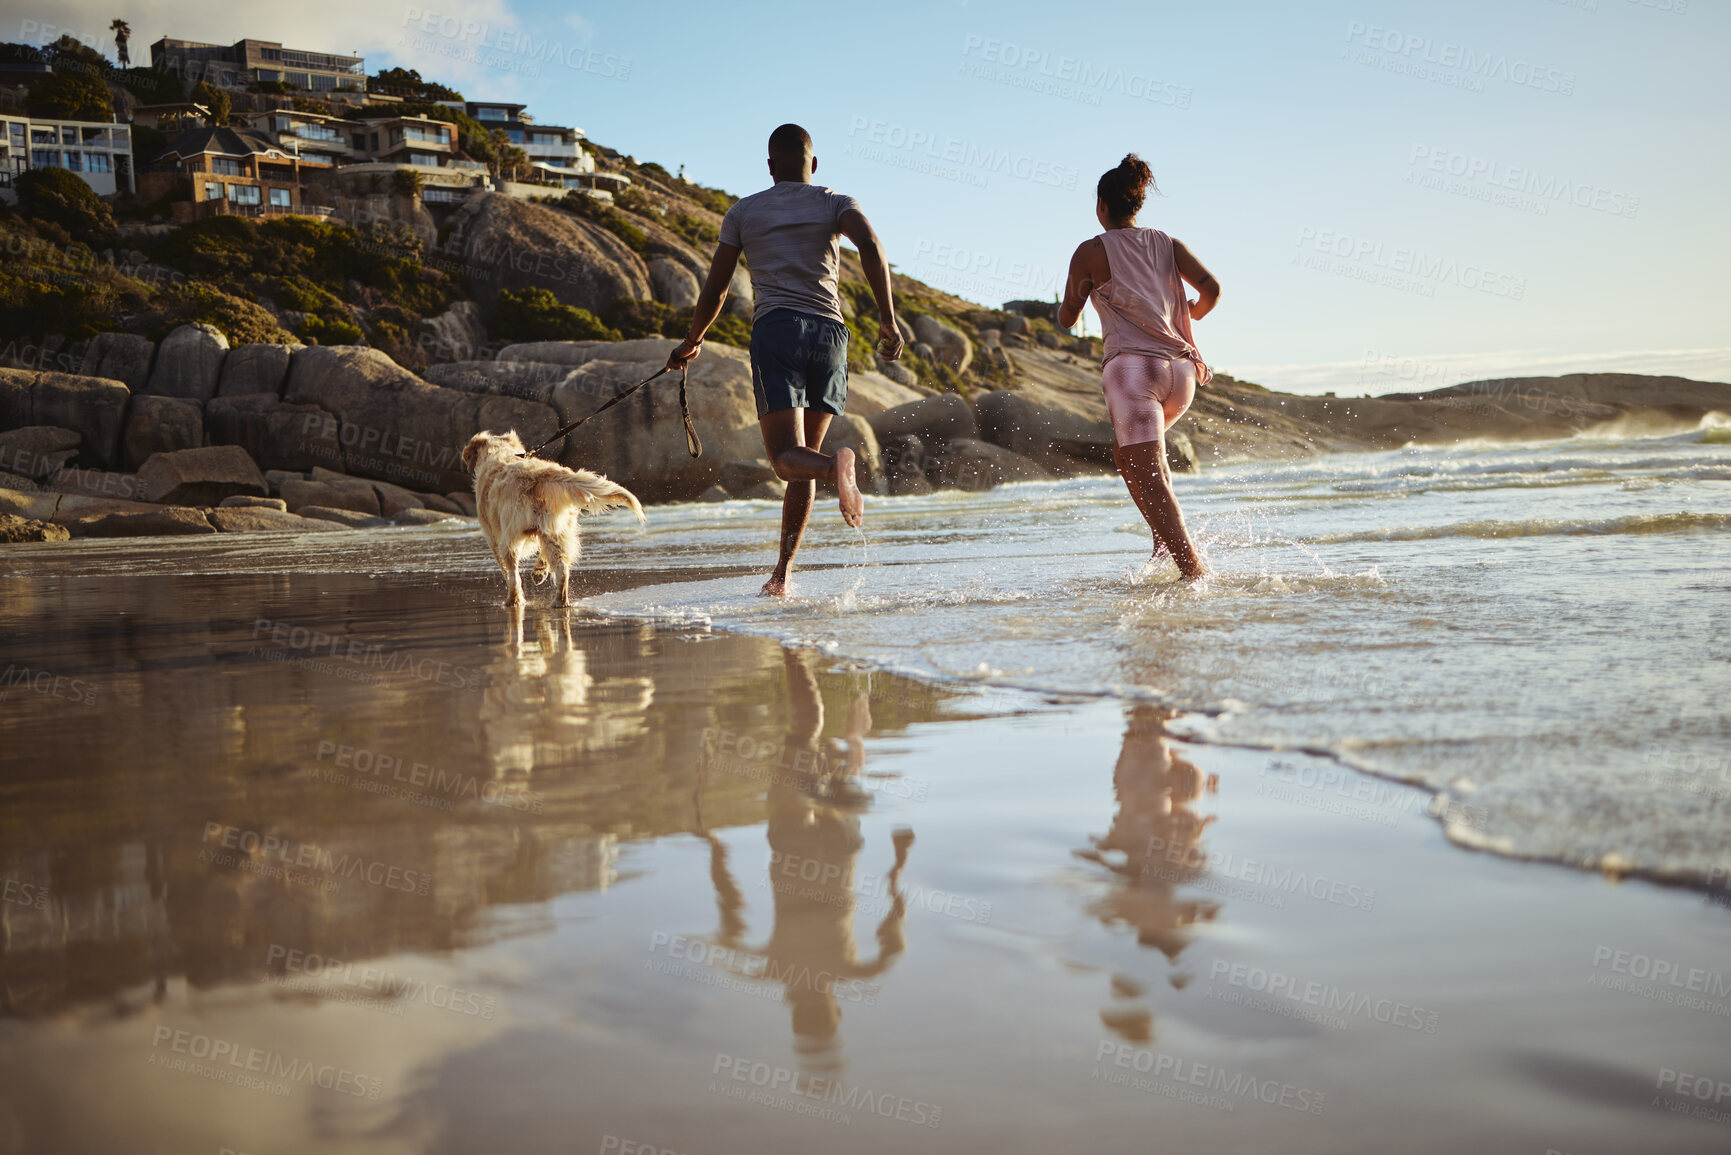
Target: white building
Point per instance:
(100, 153)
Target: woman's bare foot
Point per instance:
(847, 485)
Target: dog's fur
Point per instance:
(525, 504)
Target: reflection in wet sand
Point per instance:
(1152, 849)
(347, 780)
(813, 802)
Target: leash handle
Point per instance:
(692, 443)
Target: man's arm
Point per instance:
(1207, 288)
(708, 305)
(1083, 266)
(857, 229)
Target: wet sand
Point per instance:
(310, 849)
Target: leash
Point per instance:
(692, 444)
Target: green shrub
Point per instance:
(694, 229)
(61, 197)
(69, 96)
(601, 213)
(213, 98)
(713, 199)
(537, 315)
(728, 329)
(241, 321)
(327, 330)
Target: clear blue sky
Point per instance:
(1393, 194)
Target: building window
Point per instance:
(43, 136)
(243, 194)
(68, 136)
(45, 157)
(269, 74)
(323, 83)
(279, 198)
(224, 166)
(375, 141)
(424, 158)
(270, 54)
(298, 79)
(212, 191)
(96, 162)
(227, 78)
(490, 114)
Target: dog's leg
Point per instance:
(553, 556)
(511, 561)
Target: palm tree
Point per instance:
(122, 33)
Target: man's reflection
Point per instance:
(1151, 849)
(813, 802)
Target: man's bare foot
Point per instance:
(775, 587)
(847, 485)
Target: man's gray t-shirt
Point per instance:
(788, 233)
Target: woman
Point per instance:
(1152, 368)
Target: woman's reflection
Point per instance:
(1152, 849)
(813, 803)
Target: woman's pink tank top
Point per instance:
(1143, 308)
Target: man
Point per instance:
(799, 339)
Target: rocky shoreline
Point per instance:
(190, 436)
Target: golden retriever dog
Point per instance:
(525, 504)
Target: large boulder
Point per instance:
(640, 443)
(347, 518)
(37, 451)
(35, 506)
(274, 433)
(454, 335)
(740, 297)
(529, 380)
(950, 345)
(575, 353)
(255, 369)
(164, 521)
(512, 244)
(98, 483)
(122, 357)
(1063, 441)
(869, 393)
(393, 426)
(93, 406)
(1180, 454)
(160, 425)
(201, 476)
(855, 433)
(189, 363)
(904, 466)
(351, 494)
(243, 520)
(965, 463)
(931, 419)
(673, 283)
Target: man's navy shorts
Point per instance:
(799, 361)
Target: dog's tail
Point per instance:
(584, 491)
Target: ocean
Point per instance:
(1539, 634)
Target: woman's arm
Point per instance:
(1207, 288)
(1085, 272)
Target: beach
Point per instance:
(1402, 832)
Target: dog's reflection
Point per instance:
(813, 802)
(541, 704)
(1152, 849)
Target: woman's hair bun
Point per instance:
(1126, 187)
